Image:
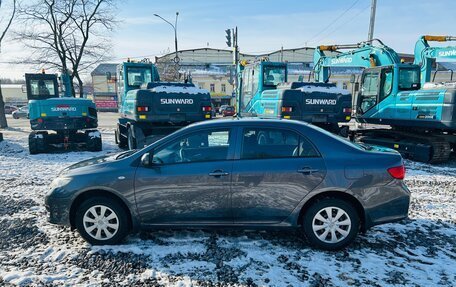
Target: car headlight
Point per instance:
(59, 182)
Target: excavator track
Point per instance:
(428, 147)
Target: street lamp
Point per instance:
(176, 59)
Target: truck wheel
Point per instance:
(102, 221)
(330, 224)
(37, 142)
(131, 138)
(93, 140)
(120, 140)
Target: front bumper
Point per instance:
(58, 209)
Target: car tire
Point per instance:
(114, 225)
(15, 116)
(334, 231)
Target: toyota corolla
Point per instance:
(243, 173)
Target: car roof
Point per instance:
(236, 121)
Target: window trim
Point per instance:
(230, 153)
(240, 143)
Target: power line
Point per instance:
(332, 22)
(343, 24)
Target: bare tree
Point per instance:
(3, 122)
(67, 35)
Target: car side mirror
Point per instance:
(146, 159)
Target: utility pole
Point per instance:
(235, 57)
(281, 54)
(372, 20)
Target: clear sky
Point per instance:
(264, 26)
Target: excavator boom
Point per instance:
(426, 56)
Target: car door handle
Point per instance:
(307, 170)
(218, 173)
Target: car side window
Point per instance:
(200, 146)
(261, 143)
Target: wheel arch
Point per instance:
(335, 194)
(100, 192)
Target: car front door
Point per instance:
(276, 169)
(188, 181)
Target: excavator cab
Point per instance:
(41, 86)
(258, 77)
(379, 83)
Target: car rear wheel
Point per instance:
(102, 221)
(331, 224)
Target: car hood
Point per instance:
(97, 162)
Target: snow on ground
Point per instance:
(420, 251)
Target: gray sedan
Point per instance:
(245, 173)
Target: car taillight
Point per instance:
(398, 172)
(287, 109)
(207, 109)
(347, 110)
(142, 109)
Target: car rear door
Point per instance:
(189, 181)
(277, 167)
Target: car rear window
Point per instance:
(264, 143)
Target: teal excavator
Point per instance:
(418, 122)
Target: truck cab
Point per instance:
(132, 75)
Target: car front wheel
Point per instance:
(331, 224)
(102, 221)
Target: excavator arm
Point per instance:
(426, 56)
(363, 55)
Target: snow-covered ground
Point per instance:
(420, 251)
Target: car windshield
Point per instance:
(409, 79)
(272, 76)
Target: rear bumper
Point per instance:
(392, 210)
(63, 123)
(321, 118)
(173, 118)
